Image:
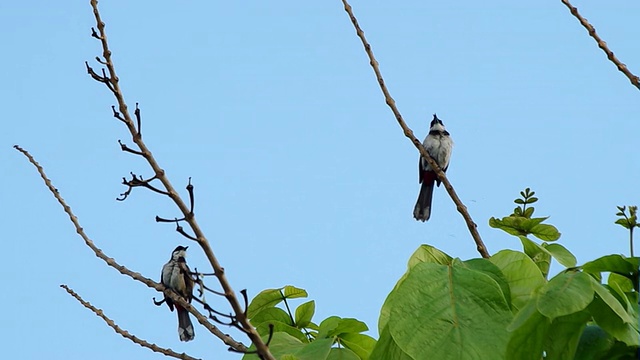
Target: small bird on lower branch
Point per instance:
(177, 277)
(438, 144)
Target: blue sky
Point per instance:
(302, 175)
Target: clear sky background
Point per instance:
(301, 174)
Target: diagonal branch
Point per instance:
(125, 333)
(228, 340)
(603, 45)
(261, 348)
(462, 209)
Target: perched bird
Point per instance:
(438, 144)
(177, 277)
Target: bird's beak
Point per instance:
(185, 248)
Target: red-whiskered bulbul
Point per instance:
(177, 277)
(438, 144)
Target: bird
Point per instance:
(438, 144)
(177, 277)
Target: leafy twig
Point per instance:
(628, 222)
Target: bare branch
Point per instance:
(462, 209)
(603, 45)
(122, 269)
(191, 198)
(117, 115)
(94, 75)
(180, 230)
(125, 148)
(229, 294)
(138, 119)
(139, 181)
(125, 333)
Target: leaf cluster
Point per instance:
(504, 307)
(294, 336)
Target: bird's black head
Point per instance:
(179, 252)
(436, 120)
(181, 248)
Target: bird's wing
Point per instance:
(188, 281)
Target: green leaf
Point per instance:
(563, 336)
(272, 297)
(528, 212)
(286, 347)
(336, 326)
(608, 320)
(270, 315)
(611, 302)
(620, 283)
(449, 312)
(508, 228)
(519, 225)
(545, 232)
(360, 344)
(624, 223)
(565, 294)
(521, 273)
(519, 201)
(540, 255)
(263, 330)
(560, 253)
(348, 326)
(292, 292)
(316, 350)
(387, 349)
(342, 354)
(620, 351)
(613, 263)
(304, 313)
(281, 344)
(265, 299)
(489, 268)
(594, 343)
(610, 315)
(528, 332)
(427, 253)
(328, 325)
(515, 225)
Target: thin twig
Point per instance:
(261, 348)
(631, 241)
(122, 269)
(125, 333)
(635, 81)
(462, 209)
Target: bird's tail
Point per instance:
(422, 210)
(185, 328)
